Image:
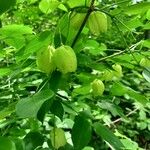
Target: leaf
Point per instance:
(137, 8)
(6, 5)
(81, 132)
(7, 111)
(48, 6)
(118, 89)
(146, 43)
(114, 109)
(6, 144)
(146, 74)
(75, 3)
(17, 42)
(57, 109)
(62, 30)
(5, 71)
(130, 145)
(137, 96)
(108, 136)
(32, 140)
(15, 29)
(37, 43)
(30, 106)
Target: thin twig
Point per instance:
(110, 56)
(120, 119)
(83, 23)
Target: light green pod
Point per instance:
(65, 59)
(97, 22)
(45, 60)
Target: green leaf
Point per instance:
(75, 3)
(114, 109)
(129, 145)
(57, 109)
(30, 106)
(15, 41)
(81, 132)
(108, 136)
(15, 29)
(5, 5)
(18, 142)
(148, 14)
(146, 43)
(88, 148)
(5, 71)
(146, 74)
(32, 140)
(37, 43)
(137, 96)
(137, 8)
(48, 6)
(6, 144)
(118, 89)
(62, 30)
(7, 111)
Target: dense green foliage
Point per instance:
(100, 103)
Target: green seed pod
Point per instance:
(97, 22)
(108, 75)
(118, 70)
(58, 139)
(65, 59)
(76, 19)
(97, 87)
(45, 60)
(145, 62)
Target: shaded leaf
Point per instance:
(30, 106)
(33, 140)
(57, 109)
(6, 144)
(108, 136)
(81, 132)
(6, 5)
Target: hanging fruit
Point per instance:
(45, 60)
(97, 22)
(65, 59)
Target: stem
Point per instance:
(83, 23)
(110, 56)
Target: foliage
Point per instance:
(42, 108)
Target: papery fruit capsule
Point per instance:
(97, 22)
(45, 60)
(108, 75)
(118, 70)
(145, 62)
(76, 19)
(57, 136)
(65, 59)
(97, 87)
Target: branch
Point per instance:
(120, 119)
(83, 23)
(110, 56)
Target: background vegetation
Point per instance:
(33, 104)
